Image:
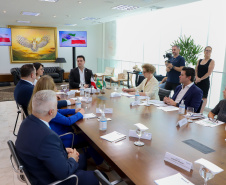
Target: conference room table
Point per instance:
(142, 165)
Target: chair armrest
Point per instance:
(71, 176)
(68, 133)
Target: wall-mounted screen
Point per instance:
(5, 37)
(73, 38)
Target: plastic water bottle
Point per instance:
(182, 107)
(82, 90)
(103, 122)
(78, 103)
(137, 97)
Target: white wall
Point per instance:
(91, 52)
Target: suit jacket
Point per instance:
(74, 79)
(61, 103)
(192, 98)
(22, 94)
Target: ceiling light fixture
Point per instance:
(4, 11)
(79, 2)
(70, 24)
(125, 7)
(24, 22)
(51, 1)
(89, 19)
(54, 16)
(30, 13)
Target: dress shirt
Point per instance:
(82, 76)
(46, 123)
(28, 81)
(68, 102)
(183, 92)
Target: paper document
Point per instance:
(106, 110)
(90, 115)
(195, 116)
(60, 93)
(84, 99)
(176, 179)
(113, 136)
(168, 108)
(127, 94)
(210, 166)
(209, 123)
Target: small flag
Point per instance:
(78, 42)
(93, 83)
(98, 84)
(104, 84)
(4, 38)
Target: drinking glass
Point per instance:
(102, 108)
(190, 111)
(64, 88)
(147, 99)
(139, 133)
(87, 95)
(206, 174)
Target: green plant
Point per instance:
(188, 49)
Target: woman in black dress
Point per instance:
(203, 70)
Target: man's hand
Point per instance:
(72, 101)
(170, 65)
(86, 85)
(74, 154)
(171, 102)
(166, 99)
(124, 90)
(69, 150)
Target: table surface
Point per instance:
(143, 165)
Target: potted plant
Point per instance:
(188, 49)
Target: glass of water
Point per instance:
(139, 133)
(87, 96)
(190, 111)
(102, 108)
(64, 88)
(206, 174)
(147, 99)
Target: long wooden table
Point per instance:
(143, 165)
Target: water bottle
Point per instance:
(82, 90)
(182, 107)
(78, 103)
(137, 96)
(103, 122)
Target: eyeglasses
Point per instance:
(208, 50)
(144, 72)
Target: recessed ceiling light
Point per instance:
(4, 11)
(54, 16)
(51, 1)
(79, 2)
(24, 22)
(70, 24)
(125, 7)
(89, 18)
(30, 13)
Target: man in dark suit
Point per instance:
(25, 86)
(80, 75)
(42, 151)
(188, 91)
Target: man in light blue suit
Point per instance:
(42, 151)
(188, 91)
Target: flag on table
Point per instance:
(98, 84)
(104, 84)
(93, 83)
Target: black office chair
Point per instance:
(22, 173)
(163, 93)
(102, 179)
(20, 110)
(199, 109)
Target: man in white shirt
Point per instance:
(188, 91)
(80, 75)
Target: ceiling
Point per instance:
(72, 11)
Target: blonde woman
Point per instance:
(149, 86)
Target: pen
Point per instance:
(120, 139)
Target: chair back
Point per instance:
(17, 165)
(109, 71)
(102, 179)
(23, 113)
(199, 109)
(163, 93)
(121, 76)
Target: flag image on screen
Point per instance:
(73, 38)
(5, 37)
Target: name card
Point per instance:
(141, 126)
(178, 161)
(182, 122)
(115, 94)
(134, 103)
(106, 110)
(145, 135)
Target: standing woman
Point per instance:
(203, 70)
(39, 71)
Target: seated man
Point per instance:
(42, 151)
(25, 86)
(80, 75)
(220, 109)
(188, 91)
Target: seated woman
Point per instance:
(149, 86)
(220, 109)
(61, 124)
(39, 71)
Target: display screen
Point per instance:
(5, 37)
(73, 38)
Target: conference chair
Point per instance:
(109, 71)
(68, 133)
(163, 93)
(102, 179)
(122, 77)
(22, 173)
(20, 110)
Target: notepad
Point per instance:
(113, 136)
(176, 179)
(208, 123)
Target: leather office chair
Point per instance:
(163, 93)
(102, 179)
(19, 111)
(22, 173)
